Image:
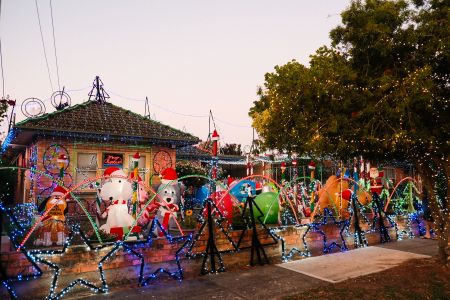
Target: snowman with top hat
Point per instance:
(115, 191)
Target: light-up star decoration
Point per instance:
(316, 227)
(130, 248)
(178, 275)
(14, 233)
(38, 255)
(294, 250)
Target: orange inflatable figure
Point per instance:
(336, 195)
(53, 228)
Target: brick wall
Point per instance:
(79, 260)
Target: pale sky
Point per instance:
(186, 56)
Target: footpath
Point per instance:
(280, 280)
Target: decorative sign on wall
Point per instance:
(113, 160)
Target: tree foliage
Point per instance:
(184, 168)
(382, 90)
(7, 177)
(231, 149)
(3, 110)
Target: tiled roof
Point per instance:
(192, 151)
(196, 153)
(92, 117)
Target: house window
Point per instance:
(390, 173)
(86, 167)
(141, 165)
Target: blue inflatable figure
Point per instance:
(239, 191)
(201, 195)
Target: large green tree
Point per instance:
(382, 91)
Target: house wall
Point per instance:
(34, 186)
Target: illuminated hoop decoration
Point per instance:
(53, 167)
(60, 100)
(45, 186)
(50, 158)
(161, 161)
(33, 107)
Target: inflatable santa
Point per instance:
(115, 191)
(376, 180)
(53, 229)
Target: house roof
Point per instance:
(104, 119)
(193, 152)
(199, 154)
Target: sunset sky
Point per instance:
(187, 57)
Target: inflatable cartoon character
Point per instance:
(336, 195)
(116, 191)
(168, 199)
(53, 229)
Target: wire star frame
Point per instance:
(17, 230)
(53, 294)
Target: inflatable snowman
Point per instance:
(53, 229)
(116, 191)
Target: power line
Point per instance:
(43, 45)
(1, 57)
(180, 113)
(54, 45)
(159, 106)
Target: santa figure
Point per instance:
(116, 190)
(376, 184)
(53, 229)
(168, 199)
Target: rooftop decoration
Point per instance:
(100, 94)
(60, 99)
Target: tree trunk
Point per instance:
(440, 213)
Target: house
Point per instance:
(83, 140)
(233, 165)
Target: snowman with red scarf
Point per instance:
(168, 196)
(116, 190)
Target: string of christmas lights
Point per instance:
(316, 227)
(16, 231)
(53, 293)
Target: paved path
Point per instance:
(351, 264)
(268, 282)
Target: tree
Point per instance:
(184, 168)
(3, 110)
(231, 149)
(7, 177)
(382, 91)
